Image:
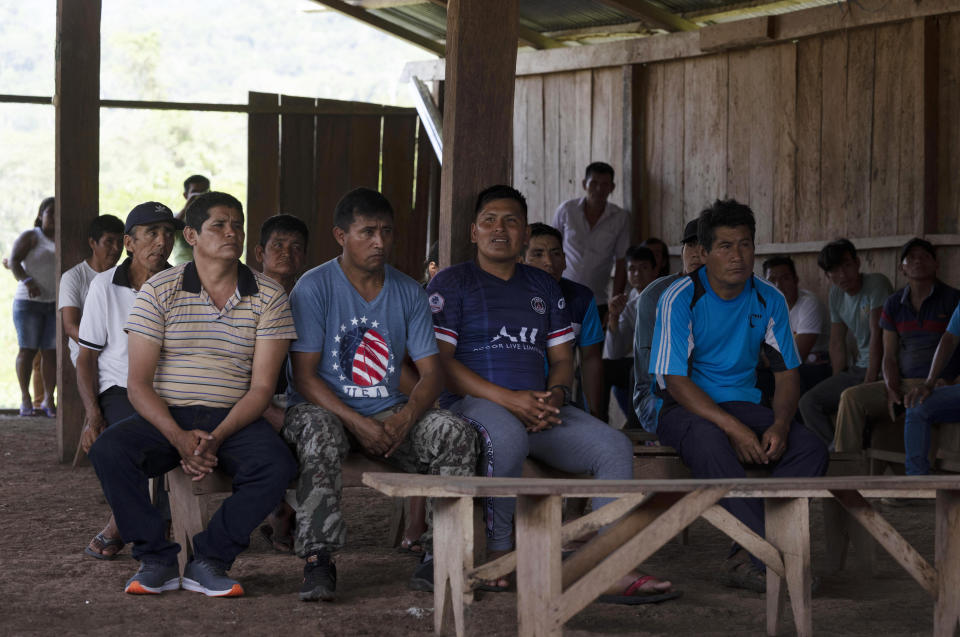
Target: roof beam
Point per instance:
(652, 13)
(528, 36)
(385, 25)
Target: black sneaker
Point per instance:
(201, 576)
(422, 579)
(319, 578)
(153, 578)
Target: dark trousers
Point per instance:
(707, 451)
(618, 376)
(133, 450)
(114, 405)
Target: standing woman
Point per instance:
(33, 263)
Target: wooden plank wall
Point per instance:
(561, 123)
(302, 164)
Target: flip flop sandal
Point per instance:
(27, 411)
(280, 544)
(633, 596)
(410, 547)
(103, 543)
(491, 588)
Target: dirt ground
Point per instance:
(48, 513)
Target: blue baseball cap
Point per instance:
(151, 212)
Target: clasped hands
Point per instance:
(198, 452)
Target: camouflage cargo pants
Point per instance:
(438, 444)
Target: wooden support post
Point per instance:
(478, 115)
(538, 564)
(263, 168)
(788, 529)
(946, 612)
(77, 170)
(452, 557)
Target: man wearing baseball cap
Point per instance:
(644, 402)
(913, 320)
(102, 360)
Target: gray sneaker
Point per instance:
(200, 576)
(152, 578)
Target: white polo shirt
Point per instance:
(101, 328)
(591, 252)
(809, 316)
(73, 290)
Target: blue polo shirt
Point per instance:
(584, 316)
(920, 332)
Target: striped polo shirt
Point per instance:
(206, 354)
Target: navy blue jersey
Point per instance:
(501, 329)
(584, 315)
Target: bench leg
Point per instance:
(946, 613)
(788, 529)
(187, 513)
(452, 558)
(539, 574)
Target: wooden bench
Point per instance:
(645, 516)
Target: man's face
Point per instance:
(367, 244)
(107, 248)
(784, 280)
(284, 254)
(221, 235)
(846, 274)
(730, 260)
(919, 264)
(640, 273)
(546, 253)
(690, 255)
(500, 230)
(150, 245)
(598, 187)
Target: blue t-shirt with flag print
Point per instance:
(363, 343)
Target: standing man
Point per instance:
(855, 302)
(105, 238)
(357, 318)
(596, 235)
(644, 401)
(206, 340)
(709, 405)
(102, 362)
(193, 186)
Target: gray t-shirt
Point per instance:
(643, 398)
(854, 311)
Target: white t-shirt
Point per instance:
(101, 328)
(809, 316)
(40, 264)
(591, 252)
(73, 290)
(619, 344)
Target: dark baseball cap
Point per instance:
(151, 212)
(917, 242)
(690, 231)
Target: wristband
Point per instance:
(564, 389)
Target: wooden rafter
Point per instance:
(384, 25)
(654, 14)
(527, 36)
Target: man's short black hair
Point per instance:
(834, 252)
(195, 179)
(779, 260)
(543, 230)
(641, 253)
(726, 213)
(598, 168)
(283, 223)
(103, 224)
(199, 209)
(500, 191)
(365, 202)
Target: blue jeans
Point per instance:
(133, 450)
(580, 444)
(943, 405)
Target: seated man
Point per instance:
(105, 239)
(206, 340)
(644, 401)
(913, 320)
(808, 321)
(102, 363)
(855, 302)
(357, 318)
(936, 400)
(709, 407)
(621, 322)
(497, 321)
(545, 251)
